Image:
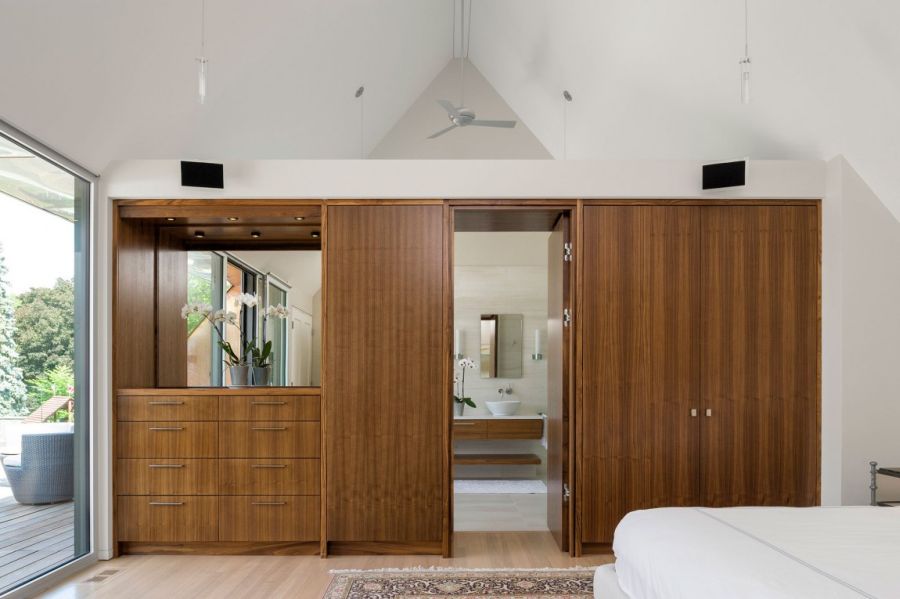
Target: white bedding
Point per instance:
(754, 553)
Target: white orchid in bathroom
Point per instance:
(459, 381)
(246, 299)
(277, 311)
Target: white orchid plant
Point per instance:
(459, 381)
(259, 357)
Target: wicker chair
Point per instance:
(43, 473)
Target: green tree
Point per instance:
(45, 328)
(12, 387)
(57, 382)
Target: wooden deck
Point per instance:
(33, 539)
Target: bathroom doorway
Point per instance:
(511, 384)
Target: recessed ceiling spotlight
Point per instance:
(299, 218)
(199, 234)
(255, 234)
(315, 235)
(170, 218)
(232, 218)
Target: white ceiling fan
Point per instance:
(460, 116)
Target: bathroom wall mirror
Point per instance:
(501, 346)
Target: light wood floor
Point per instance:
(175, 577)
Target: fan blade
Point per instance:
(449, 107)
(504, 124)
(442, 131)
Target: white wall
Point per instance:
(408, 138)
(870, 338)
(451, 179)
(302, 270)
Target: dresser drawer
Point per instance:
(167, 519)
(266, 476)
(166, 476)
(166, 439)
(469, 429)
(159, 408)
(269, 440)
(515, 429)
(268, 518)
(271, 407)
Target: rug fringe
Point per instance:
(450, 569)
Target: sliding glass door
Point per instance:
(45, 363)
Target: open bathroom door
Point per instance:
(558, 386)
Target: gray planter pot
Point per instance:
(240, 376)
(261, 376)
(459, 407)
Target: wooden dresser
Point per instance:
(218, 470)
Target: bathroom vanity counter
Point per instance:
(498, 427)
(492, 417)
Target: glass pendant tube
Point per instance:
(202, 60)
(745, 61)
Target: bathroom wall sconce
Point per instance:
(537, 355)
(457, 344)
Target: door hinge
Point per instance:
(567, 252)
(566, 492)
(567, 317)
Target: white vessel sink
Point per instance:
(503, 408)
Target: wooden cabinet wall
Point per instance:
(385, 355)
(699, 359)
(218, 470)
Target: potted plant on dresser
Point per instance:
(459, 380)
(250, 364)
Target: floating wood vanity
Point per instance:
(497, 428)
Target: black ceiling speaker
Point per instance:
(722, 175)
(202, 174)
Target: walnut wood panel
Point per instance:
(558, 393)
(167, 518)
(269, 407)
(166, 476)
(222, 548)
(269, 518)
(385, 358)
(272, 439)
(640, 335)
(469, 429)
(759, 353)
(520, 219)
(171, 294)
(166, 439)
(219, 391)
(269, 477)
(161, 408)
(134, 326)
(515, 429)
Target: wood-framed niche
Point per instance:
(151, 239)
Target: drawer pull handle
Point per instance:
(269, 466)
(267, 403)
(165, 403)
(268, 503)
(269, 428)
(166, 465)
(167, 503)
(166, 428)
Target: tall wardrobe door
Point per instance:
(759, 355)
(383, 368)
(639, 336)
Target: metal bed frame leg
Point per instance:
(873, 484)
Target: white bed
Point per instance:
(754, 553)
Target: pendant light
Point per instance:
(745, 61)
(360, 91)
(201, 60)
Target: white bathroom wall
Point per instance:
(502, 273)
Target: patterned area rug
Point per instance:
(442, 584)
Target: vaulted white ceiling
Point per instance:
(102, 80)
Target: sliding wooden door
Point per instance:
(639, 315)
(385, 398)
(759, 355)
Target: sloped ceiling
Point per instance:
(657, 79)
(408, 138)
(100, 80)
(652, 79)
